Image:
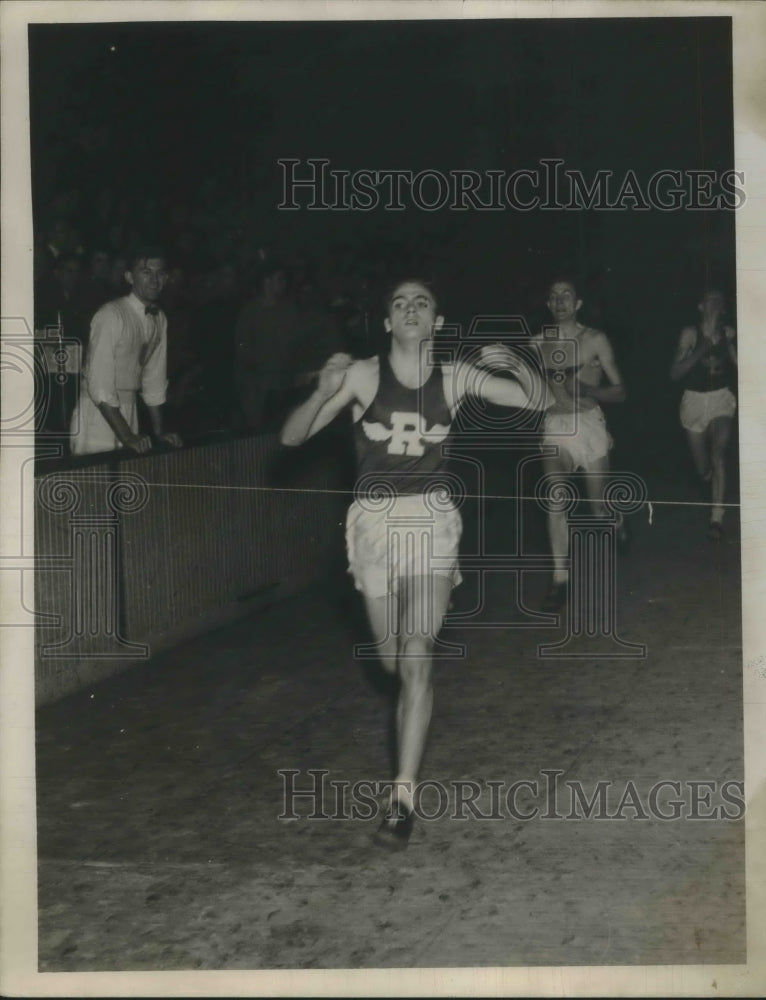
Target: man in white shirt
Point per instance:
(127, 354)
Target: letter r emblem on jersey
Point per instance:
(408, 428)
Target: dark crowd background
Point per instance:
(172, 132)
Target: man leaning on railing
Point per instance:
(126, 354)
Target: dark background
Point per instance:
(184, 123)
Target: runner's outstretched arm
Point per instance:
(334, 391)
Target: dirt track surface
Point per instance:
(159, 795)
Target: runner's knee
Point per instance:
(415, 662)
(416, 645)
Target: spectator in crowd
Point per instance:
(127, 354)
(360, 334)
(185, 397)
(60, 238)
(215, 323)
(56, 301)
(95, 288)
(117, 282)
(320, 332)
(267, 337)
(59, 312)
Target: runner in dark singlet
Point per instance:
(403, 407)
(706, 365)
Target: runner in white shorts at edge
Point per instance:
(581, 371)
(706, 365)
(403, 406)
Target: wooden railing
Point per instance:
(136, 554)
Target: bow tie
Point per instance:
(152, 310)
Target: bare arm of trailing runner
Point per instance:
(527, 390)
(615, 391)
